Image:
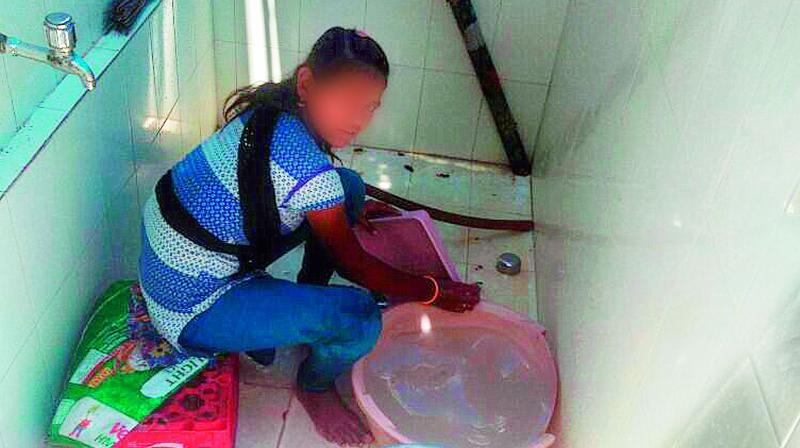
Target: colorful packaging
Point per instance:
(120, 373)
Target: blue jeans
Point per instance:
(339, 323)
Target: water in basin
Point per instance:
(460, 387)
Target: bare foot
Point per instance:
(332, 419)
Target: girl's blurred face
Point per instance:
(342, 105)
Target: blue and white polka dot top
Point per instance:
(180, 279)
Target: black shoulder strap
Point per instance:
(256, 191)
(184, 223)
(256, 196)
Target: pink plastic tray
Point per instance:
(411, 243)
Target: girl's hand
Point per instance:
(376, 209)
(457, 297)
(373, 210)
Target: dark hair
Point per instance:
(337, 49)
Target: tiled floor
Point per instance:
(269, 416)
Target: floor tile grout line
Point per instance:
(285, 421)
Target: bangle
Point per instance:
(435, 290)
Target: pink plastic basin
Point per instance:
(412, 243)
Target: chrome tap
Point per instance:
(59, 30)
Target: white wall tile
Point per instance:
(527, 38)
(61, 325)
(206, 78)
(31, 80)
(316, 16)
(794, 441)
(652, 165)
(225, 73)
(448, 115)
(8, 119)
(256, 64)
(113, 136)
(164, 52)
(401, 28)
(224, 19)
(204, 28)
(446, 49)
(776, 360)
(255, 18)
(137, 64)
(26, 422)
(72, 201)
(124, 226)
(188, 27)
(736, 417)
(396, 121)
(190, 109)
(527, 104)
(417, 33)
(30, 83)
(77, 197)
(18, 317)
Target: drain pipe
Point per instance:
(517, 225)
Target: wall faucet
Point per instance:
(59, 30)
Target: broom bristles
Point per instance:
(122, 14)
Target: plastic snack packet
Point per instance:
(120, 373)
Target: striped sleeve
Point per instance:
(321, 191)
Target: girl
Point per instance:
(254, 190)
